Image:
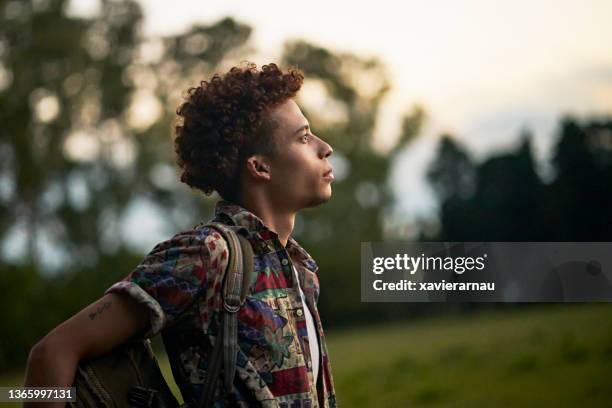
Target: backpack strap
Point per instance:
(236, 284)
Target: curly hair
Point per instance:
(224, 121)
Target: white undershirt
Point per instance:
(312, 332)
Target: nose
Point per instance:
(326, 149)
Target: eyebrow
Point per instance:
(303, 127)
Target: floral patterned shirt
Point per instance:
(180, 282)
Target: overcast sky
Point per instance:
(483, 70)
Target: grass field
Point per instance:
(549, 355)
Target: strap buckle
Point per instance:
(232, 308)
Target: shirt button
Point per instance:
(285, 262)
(299, 312)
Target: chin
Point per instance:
(322, 198)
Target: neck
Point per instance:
(279, 220)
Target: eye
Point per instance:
(305, 137)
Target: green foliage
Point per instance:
(74, 156)
(69, 119)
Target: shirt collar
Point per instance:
(240, 216)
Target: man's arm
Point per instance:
(96, 329)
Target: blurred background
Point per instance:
(450, 121)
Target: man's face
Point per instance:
(300, 174)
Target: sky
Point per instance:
(483, 70)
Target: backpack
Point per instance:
(129, 375)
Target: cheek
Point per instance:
(299, 163)
(299, 169)
(310, 171)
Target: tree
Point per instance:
(509, 202)
(453, 178)
(86, 106)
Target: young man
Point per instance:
(242, 135)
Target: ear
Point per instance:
(258, 167)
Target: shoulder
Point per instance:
(202, 237)
(195, 252)
(214, 245)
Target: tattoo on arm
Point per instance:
(99, 310)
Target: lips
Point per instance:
(329, 174)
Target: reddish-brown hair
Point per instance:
(223, 122)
